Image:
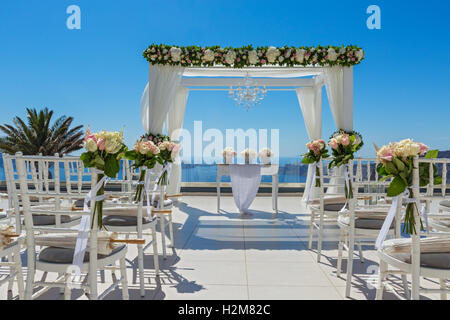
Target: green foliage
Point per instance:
(310, 157)
(343, 154)
(194, 56)
(39, 135)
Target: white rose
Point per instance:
(209, 55)
(144, 148)
(288, 52)
(272, 54)
(341, 50)
(299, 55)
(90, 145)
(112, 146)
(332, 55)
(253, 57)
(280, 58)
(359, 54)
(230, 57)
(175, 54)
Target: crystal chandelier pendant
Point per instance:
(248, 93)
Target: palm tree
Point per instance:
(39, 135)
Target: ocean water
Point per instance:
(291, 170)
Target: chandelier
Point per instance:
(247, 94)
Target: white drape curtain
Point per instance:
(310, 100)
(158, 97)
(334, 80)
(174, 125)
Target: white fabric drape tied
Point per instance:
(311, 181)
(310, 100)
(174, 125)
(146, 183)
(158, 96)
(391, 214)
(166, 168)
(83, 229)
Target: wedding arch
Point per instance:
(175, 70)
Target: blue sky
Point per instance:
(97, 74)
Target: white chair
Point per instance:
(361, 223)
(59, 260)
(39, 178)
(12, 253)
(163, 209)
(129, 219)
(325, 209)
(434, 263)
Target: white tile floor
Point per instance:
(227, 257)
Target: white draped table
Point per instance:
(266, 170)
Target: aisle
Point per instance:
(225, 257)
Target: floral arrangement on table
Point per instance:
(248, 155)
(145, 154)
(265, 155)
(248, 56)
(317, 151)
(344, 144)
(228, 154)
(104, 150)
(396, 161)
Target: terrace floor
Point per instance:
(227, 257)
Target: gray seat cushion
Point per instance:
(445, 203)
(429, 260)
(122, 221)
(65, 255)
(80, 203)
(49, 220)
(372, 224)
(167, 203)
(334, 206)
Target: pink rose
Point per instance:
(263, 61)
(333, 143)
(91, 136)
(101, 144)
(423, 148)
(345, 140)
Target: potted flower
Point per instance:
(344, 144)
(104, 150)
(228, 154)
(317, 152)
(396, 161)
(265, 155)
(249, 155)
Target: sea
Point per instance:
(291, 170)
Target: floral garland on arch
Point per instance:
(248, 56)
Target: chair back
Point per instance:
(52, 191)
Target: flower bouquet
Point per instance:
(317, 152)
(264, 155)
(145, 154)
(396, 161)
(249, 155)
(344, 144)
(168, 151)
(228, 154)
(104, 150)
